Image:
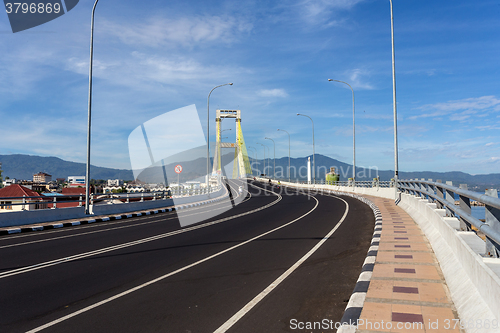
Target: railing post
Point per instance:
(24, 202)
(128, 197)
(54, 206)
(432, 190)
(423, 187)
(142, 196)
(80, 199)
(450, 197)
(493, 220)
(439, 193)
(465, 206)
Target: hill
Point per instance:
(24, 166)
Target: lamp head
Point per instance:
(330, 80)
(298, 114)
(231, 84)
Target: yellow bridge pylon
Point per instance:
(241, 164)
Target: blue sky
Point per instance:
(155, 56)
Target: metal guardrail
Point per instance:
(365, 184)
(444, 196)
(51, 202)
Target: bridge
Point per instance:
(251, 254)
(287, 256)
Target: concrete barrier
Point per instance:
(474, 287)
(382, 192)
(11, 219)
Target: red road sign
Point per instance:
(178, 168)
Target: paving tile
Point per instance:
(400, 293)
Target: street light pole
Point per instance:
(288, 152)
(353, 135)
(208, 128)
(314, 161)
(394, 107)
(255, 155)
(274, 159)
(89, 120)
(264, 173)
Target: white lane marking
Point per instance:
(215, 207)
(102, 230)
(129, 244)
(238, 315)
(95, 305)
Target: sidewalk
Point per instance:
(407, 291)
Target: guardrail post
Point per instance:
(450, 197)
(142, 196)
(80, 200)
(465, 206)
(128, 197)
(24, 202)
(493, 220)
(54, 206)
(424, 189)
(439, 193)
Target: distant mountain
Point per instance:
(24, 166)
(323, 164)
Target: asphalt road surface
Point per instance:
(279, 257)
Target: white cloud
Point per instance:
(320, 11)
(272, 93)
(356, 78)
(468, 106)
(184, 31)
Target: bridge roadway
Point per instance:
(146, 274)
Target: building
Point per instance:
(115, 182)
(76, 181)
(17, 198)
(1, 180)
(8, 182)
(42, 177)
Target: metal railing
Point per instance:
(444, 197)
(349, 183)
(52, 202)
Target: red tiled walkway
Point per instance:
(407, 291)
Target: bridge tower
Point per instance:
(241, 164)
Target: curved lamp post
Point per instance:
(89, 120)
(274, 159)
(314, 161)
(208, 127)
(353, 135)
(288, 152)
